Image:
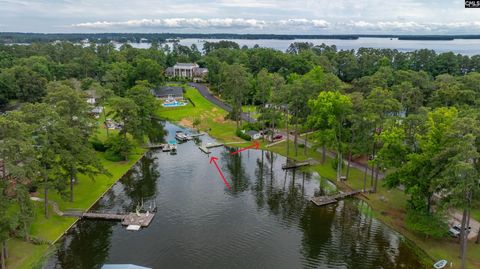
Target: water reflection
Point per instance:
(141, 183)
(95, 235)
(265, 221)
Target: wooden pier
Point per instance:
(140, 219)
(330, 199)
(213, 145)
(295, 165)
(156, 146)
(204, 149)
(196, 135)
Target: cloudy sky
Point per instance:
(241, 16)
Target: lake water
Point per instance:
(461, 46)
(265, 221)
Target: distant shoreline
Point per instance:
(17, 37)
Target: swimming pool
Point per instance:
(174, 104)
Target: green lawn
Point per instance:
(211, 117)
(252, 110)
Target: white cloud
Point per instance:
(198, 23)
(245, 16)
(414, 27)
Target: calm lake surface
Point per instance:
(461, 46)
(266, 221)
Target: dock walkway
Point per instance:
(295, 165)
(330, 199)
(127, 218)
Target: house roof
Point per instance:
(123, 266)
(200, 70)
(252, 132)
(168, 90)
(186, 65)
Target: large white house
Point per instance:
(187, 70)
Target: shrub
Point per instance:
(98, 145)
(427, 224)
(243, 135)
(118, 148)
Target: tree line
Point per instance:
(412, 113)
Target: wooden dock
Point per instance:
(204, 149)
(330, 199)
(213, 145)
(196, 135)
(295, 165)
(140, 219)
(156, 146)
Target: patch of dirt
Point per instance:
(186, 122)
(214, 109)
(363, 159)
(220, 119)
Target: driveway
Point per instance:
(205, 92)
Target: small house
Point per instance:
(254, 134)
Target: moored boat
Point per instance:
(440, 264)
(179, 135)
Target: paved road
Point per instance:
(202, 88)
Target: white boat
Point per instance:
(133, 227)
(179, 135)
(440, 264)
(173, 147)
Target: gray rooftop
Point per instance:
(186, 64)
(168, 90)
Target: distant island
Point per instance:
(15, 37)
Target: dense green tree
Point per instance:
(149, 70)
(235, 83)
(330, 111)
(78, 156)
(119, 77)
(145, 101)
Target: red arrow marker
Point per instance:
(254, 145)
(214, 160)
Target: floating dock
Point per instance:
(331, 199)
(295, 165)
(140, 219)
